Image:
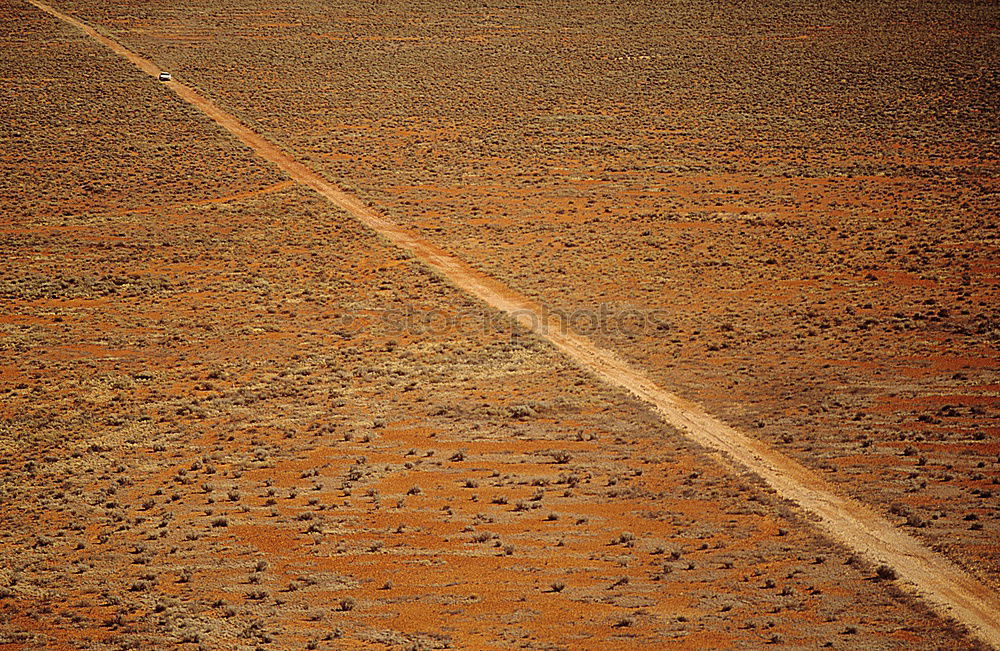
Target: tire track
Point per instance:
(946, 587)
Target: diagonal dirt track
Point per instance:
(949, 589)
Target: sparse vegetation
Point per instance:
(220, 395)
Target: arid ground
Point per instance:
(234, 416)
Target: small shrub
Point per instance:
(626, 538)
(885, 573)
(522, 412)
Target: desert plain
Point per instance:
(234, 416)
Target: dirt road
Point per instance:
(946, 587)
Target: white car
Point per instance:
(165, 76)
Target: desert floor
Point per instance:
(232, 416)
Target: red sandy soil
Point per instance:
(188, 390)
(808, 204)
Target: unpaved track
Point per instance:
(945, 586)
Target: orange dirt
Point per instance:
(345, 558)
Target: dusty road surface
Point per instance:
(947, 588)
